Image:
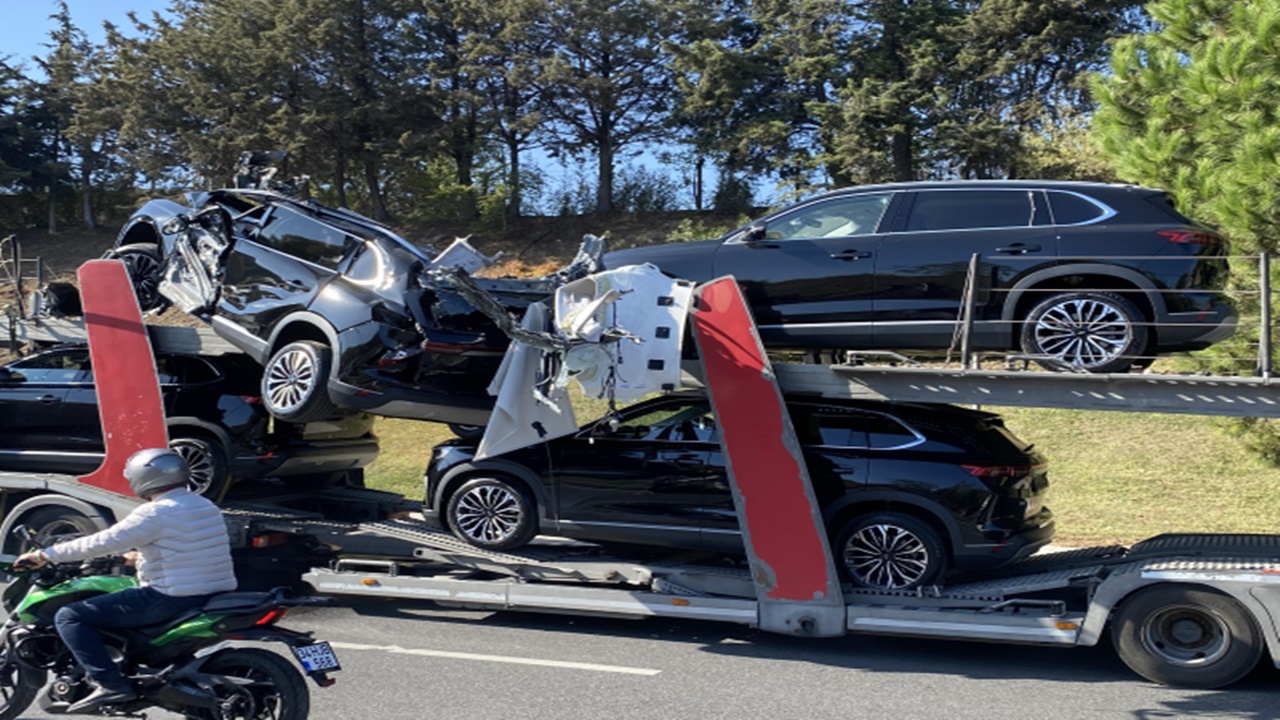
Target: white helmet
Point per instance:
(150, 471)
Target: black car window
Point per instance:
(886, 433)
(969, 209)
(185, 370)
(304, 238)
(59, 366)
(672, 423)
(1072, 209)
(837, 217)
(831, 427)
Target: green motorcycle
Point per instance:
(175, 665)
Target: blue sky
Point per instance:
(25, 24)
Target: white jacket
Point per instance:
(182, 540)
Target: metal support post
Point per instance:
(1264, 335)
(966, 330)
(797, 591)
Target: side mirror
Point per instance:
(754, 234)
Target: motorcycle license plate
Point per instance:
(317, 658)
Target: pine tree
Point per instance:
(1194, 107)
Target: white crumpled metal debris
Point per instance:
(622, 333)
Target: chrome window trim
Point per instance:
(919, 439)
(1107, 211)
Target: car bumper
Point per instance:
(1196, 330)
(1019, 544)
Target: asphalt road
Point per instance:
(415, 661)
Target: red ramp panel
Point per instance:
(795, 579)
(124, 371)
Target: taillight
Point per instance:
(1191, 237)
(270, 539)
(271, 617)
(252, 399)
(1003, 471)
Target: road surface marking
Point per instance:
(396, 649)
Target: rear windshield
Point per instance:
(1166, 203)
(979, 432)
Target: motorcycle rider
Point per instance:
(183, 559)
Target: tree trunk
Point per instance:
(86, 201)
(340, 178)
(604, 191)
(698, 165)
(903, 166)
(514, 192)
(375, 192)
(53, 211)
(464, 159)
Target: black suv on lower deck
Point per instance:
(49, 422)
(908, 493)
(1090, 275)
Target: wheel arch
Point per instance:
(101, 517)
(1258, 601)
(838, 514)
(1080, 277)
(455, 477)
(144, 225)
(303, 325)
(185, 426)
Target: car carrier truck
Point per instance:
(1192, 610)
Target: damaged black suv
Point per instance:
(343, 313)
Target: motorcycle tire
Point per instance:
(277, 689)
(19, 685)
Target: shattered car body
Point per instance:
(343, 313)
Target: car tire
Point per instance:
(493, 513)
(207, 459)
(142, 261)
(295, 382)
(1186, 636)
(1097, 332)
(470, 433)
(890, 551)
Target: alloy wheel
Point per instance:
(290, 380)
(1083, 332)
(886, 556)
(489, 514)
(199, 463)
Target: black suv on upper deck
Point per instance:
(1090, 275)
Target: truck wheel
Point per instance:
(1099, 332)
(1186, 636)
(493, 513)
(142, 261)
(295, 382)
(53, 524)
(890, 551)
(207, 460)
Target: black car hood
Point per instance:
(689, 260)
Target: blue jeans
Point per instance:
(78, 625)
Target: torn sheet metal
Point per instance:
(618, 333)
(528, 410)
(461, 254)
(626, 327)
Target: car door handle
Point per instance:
(851, 255)
(49, 399)
(1018, 249)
